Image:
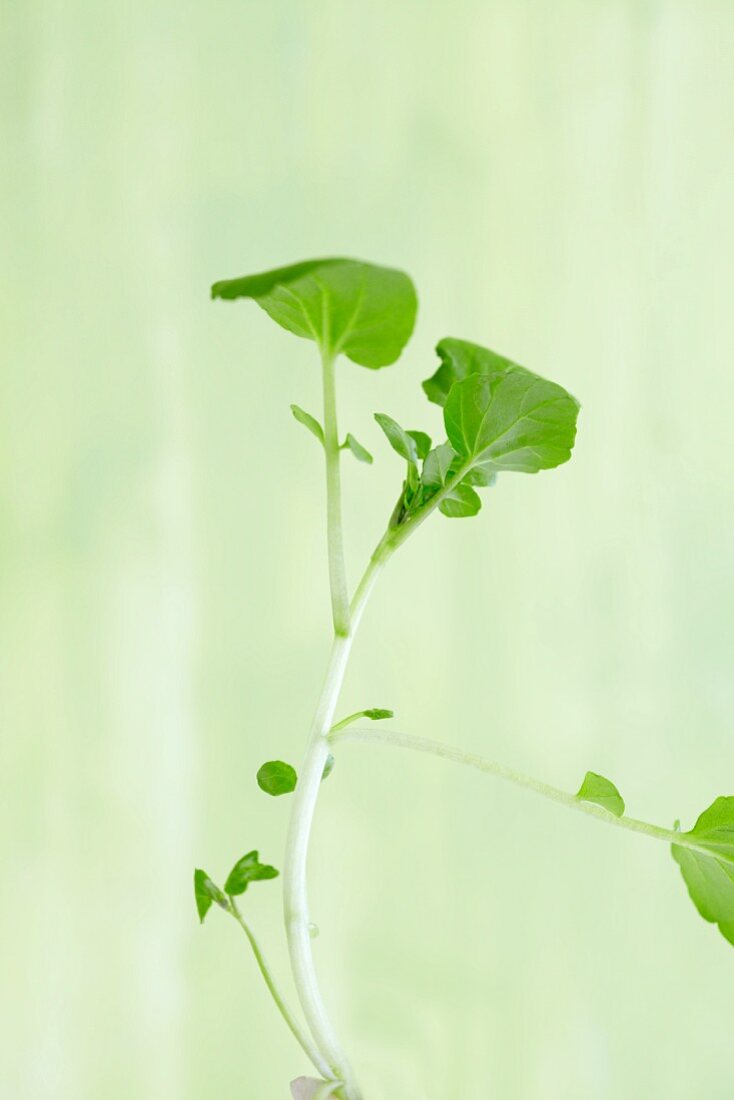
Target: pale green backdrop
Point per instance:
(557, 176)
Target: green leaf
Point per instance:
(360, 453)
(422, 443)
(708, 869)
(246, 870)
(361, 310)
(205, 892)
(482, 475)
(461, 502)
(440, 465)
(437, 465)
(595, 788)
(276, 777)
(328, 767)
(309, 422)
(510, 419)
(459, 359)
(400, 440)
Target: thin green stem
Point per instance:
(305, 1042)
(501, 771)
(337, 571)
(348, 721)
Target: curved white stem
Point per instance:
(295, 891)
(295, 887)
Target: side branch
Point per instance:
(501, 771)
(304, 1041)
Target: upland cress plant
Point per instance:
(499, 418)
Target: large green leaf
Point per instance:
(459, 359)
(358, 309)
(506, 418)
(708, 869)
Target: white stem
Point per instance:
(295, 890)
(295, 869)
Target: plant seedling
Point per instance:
(499, 418)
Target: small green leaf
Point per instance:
(246, 870)
(276, 777)
(461, 502)
(360, 453)
(437, 465)
(422, 443)
(205, 892)
(400, 440)
(361, 310)
(328, 767)
(595, 788)
(708, 869)
(442, 464)
(510, 419)
(309, 422)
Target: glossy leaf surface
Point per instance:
(361, 310)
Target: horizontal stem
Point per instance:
(304, 1041)
(501, 771)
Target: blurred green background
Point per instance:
(557, 176)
